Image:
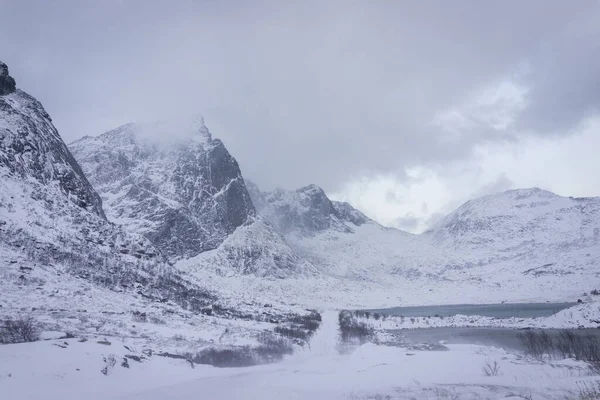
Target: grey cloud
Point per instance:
(300, 92)
(434, 219)
(393, 197)
(501, 184)
(408, 223)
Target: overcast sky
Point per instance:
(405, 109)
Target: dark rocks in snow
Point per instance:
(7, 82)
(30, 147)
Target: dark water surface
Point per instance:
(507, 310)
(506, 338)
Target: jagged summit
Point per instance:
(7, 82)
(305, 211)
(187, 196)
(169, 181)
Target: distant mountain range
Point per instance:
(148, 198)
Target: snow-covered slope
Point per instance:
(523, 217)
(180, 188)
(518, 245)
(533, 231)
(51, 217)
(63, 264)
(306, 211)
(172, 183)
(339, 239)
(30, 148)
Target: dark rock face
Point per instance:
(306, 211)
(186, 195)
(30, 147)
(7, 83)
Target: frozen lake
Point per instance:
(507, 310)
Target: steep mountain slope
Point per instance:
(51, 217)
(520, 217)
(63, 264)
(339, 239)
(186, 195)
(180, 188)
(534, 231)
(529, 242)
(31, 148)
(306, 211)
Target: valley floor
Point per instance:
(71, 369)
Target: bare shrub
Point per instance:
(294, 332)
(156, 320)
(565, 343)
(109, 364)
(353, 330)
(589, 390)
(585, 348)
(491, 368)
(19, 331)
(272, 348)
(537, 344)
(138, 316)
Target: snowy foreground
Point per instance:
(72, 369)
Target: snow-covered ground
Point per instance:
(393, 291)
(71, 369)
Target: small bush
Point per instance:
(589, 391)
(585, 348)
(294, 332)
(352, 330)
(537, 344)
(156, 320)
(19, 331)
(595, 292)
(568, 344)
(138, 316)
(491, 368)
(109, 364)
(272, 348)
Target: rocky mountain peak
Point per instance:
(305, 211)
(7, 82)
(169, 181)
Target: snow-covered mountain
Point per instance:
(177, 186)
(66, 266)
(186, 194)
(51, 218)
(305, 211)
(525, 241)
(517, 218)
(172, 189)
(337, 238)
(534, 231)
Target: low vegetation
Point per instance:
(567, 344)
(491, 368)
(19, 331)
(272, 348)
(589, 390)
(299, 328)
(353, 330)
